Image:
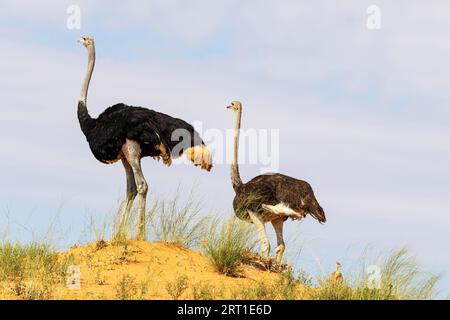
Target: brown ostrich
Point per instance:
(270, 197)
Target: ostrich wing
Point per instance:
(183, 139)
(179, 134)
(298, 195)
(274, 189)
(151, 128)
(121, 122)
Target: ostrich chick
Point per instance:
(337, 277)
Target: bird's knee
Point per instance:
(142, 188)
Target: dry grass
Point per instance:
(205, 291)
(30, 271)
(173, 222)
(128, 288)
(227, 243)
(138, 270)
(168, 269)
(401, 279)
(177, 287)
(284, 287)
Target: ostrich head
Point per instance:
(235, 106)
(338, 265)
(86, 41)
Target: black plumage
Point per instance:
(273, 189)
(108, 133)
(130, 133)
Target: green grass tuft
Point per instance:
(175, 223)
(401, 278)
(204, 291)
(284, 288)
(177, 287)
(226, 244)
(30, 270)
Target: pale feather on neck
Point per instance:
(235, 176)
(87, 78)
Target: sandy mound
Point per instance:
(141, 269)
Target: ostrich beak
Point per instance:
(229, 107)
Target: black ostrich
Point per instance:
(129, 133)
(270, 197)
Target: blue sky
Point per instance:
(363, 115)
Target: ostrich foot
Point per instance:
(267, 264)
(279, 254)
(271, 264)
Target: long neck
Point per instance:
(235, 177)
(83, 115)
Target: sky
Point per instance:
(362, 114)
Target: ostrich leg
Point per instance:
(131, 186)
(278, 226)
(132, 153)
(260, 227)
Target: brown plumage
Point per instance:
(270, 197)
(336, 277)
(273, 189)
